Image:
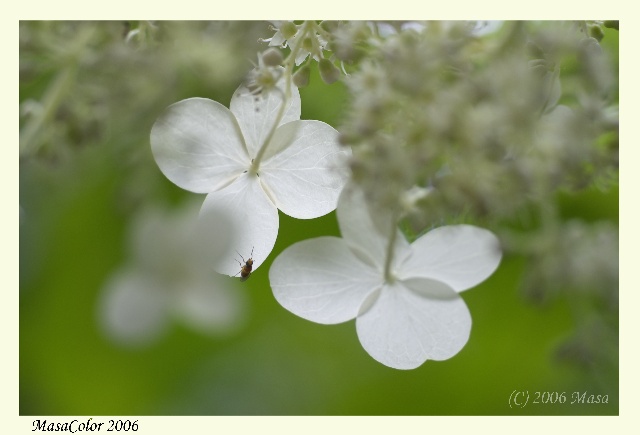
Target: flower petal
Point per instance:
(133, 308)
(367, 232)
(198, 145)
(255, 217)
(166, 243)
(210, 305)
(256, 114)
(321, 280)
(306, 169)
(302, 55)
(460, 255)
(277, 39)
(413, 321)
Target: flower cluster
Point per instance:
(448, 122)
(307, 39)
(479, 118)
(493, 127)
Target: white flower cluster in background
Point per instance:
(489, 121)
(169, 277)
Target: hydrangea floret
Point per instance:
(253, 159)
(405, 297)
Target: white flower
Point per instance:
(477, 28)
(485, 27)
(204, 147)
(407, 312)
(169, 276)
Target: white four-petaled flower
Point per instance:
(408, 310)
(203, 147)
(169, 277)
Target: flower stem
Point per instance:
(288, 73)
(255, 163)
(388, 275)
(54, 96)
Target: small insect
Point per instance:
(245, 269)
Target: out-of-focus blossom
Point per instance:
(169, 276)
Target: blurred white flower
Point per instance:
(202, 146)
(169, 276)
(476, 28)
(405, 297)
(485, 27)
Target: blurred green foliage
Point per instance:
(88, 99)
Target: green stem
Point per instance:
(29, 136)
(288, 73)
(54, 95)
(388, 275)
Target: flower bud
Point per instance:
(307, 44)
(540, 67)
(301, 77)
(272, 57)
(612, 24)
(590, 46)
(596, 32)
(535, 50)
(344, 50)
(329, 26)
(328, 71)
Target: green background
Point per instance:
(91, 170)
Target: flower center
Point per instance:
(253, 167)
(389, 277)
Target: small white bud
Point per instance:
(272, 57)
(301, 77)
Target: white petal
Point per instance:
(212, 237)
(198, 145)
(306, 169)
(485, 27)
(167, 243)
(552, 88)
(413, 321)
(254, 216)
(302, 55)
(256, 114)
(367, 232)
(413, 25)
(460, 255)
(210, 305)
(321, 280)
(277, 39)
(385, 29)
(133, 308)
